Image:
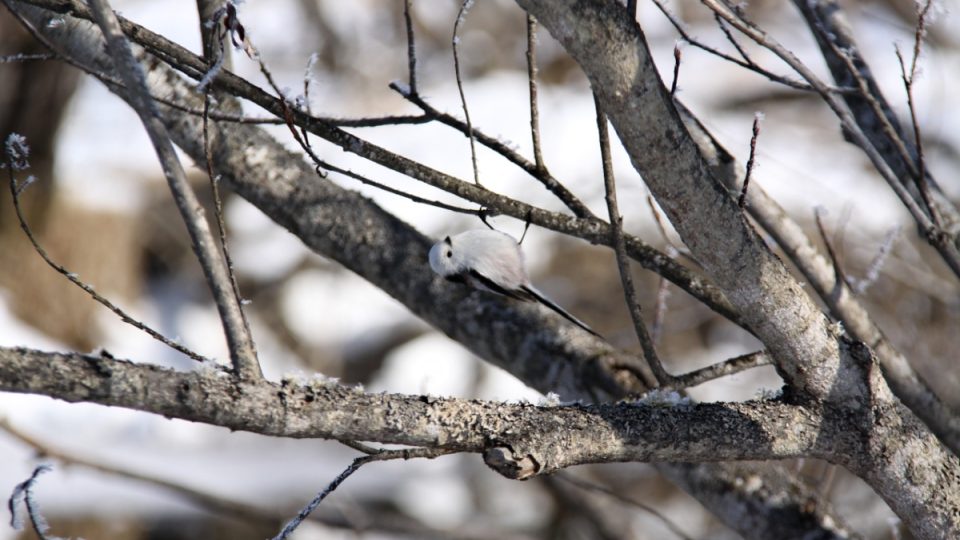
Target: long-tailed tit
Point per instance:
(490, 260)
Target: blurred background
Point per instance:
(101, 208)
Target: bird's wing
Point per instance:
(519, 294)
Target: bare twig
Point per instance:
(733, 41)
(677, 56)
(873, 269)
(840, 278)
(623, 263)
(742, 63)
(908, 80)
(723, 369)
(588, 228)
(742, 200)
(16, 191)
(411, 48)
(532, 81)
(660, 310)
(218, 209)
(543, 175)
(208, 501)
(461, 15)
(591, 486)
(869, 107)
(383, 455)
(22, 57)
(322, 164)
(948, 250)
(23, 494)
(242, 350)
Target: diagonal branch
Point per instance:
(242, 350)
(623, 263)
(948, 250)
(590, 229)
(387, 252)
(842, 302)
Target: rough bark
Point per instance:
(532, 345)
(552, 437)
(610, 47)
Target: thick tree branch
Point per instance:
(554, 437)
(641, 110)
(351, 229)
(611, 49)
(842, 301)
(589, 229)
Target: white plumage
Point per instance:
(490, 260)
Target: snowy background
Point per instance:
(311, 316)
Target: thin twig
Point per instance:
(908, 81)
(240, 342)
(214, 45)
(22, 57)
(23, 493)
(948, 251)
(307, 78)
(16, 191)
(623, 262)
(461, 15)
(417, 199)
(660, 310)
(321, 164)
(587, 228)
(384, 455)
(543, 175)
(218, 209)
(742, 200)
(873, 269)
(411, 48)
(723, 369)
(208, 501)
(532, 81)
(840, 278)
(733, 41)
(744, 64)
(677, 56)
(590, 486)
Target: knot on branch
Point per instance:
(513, 466)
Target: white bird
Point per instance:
(490, 260)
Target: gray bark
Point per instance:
(351, 229)
(611, 49)
(865, 428)
(551, 437)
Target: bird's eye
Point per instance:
(449, 254)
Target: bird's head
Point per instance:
(442, 258)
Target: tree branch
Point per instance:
(387, 252)
(810, 356)
(843, 303)
(553, 437)
(591, 230)
(242, 350)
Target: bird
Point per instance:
(491, 260)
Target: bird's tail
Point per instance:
(539, 297)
